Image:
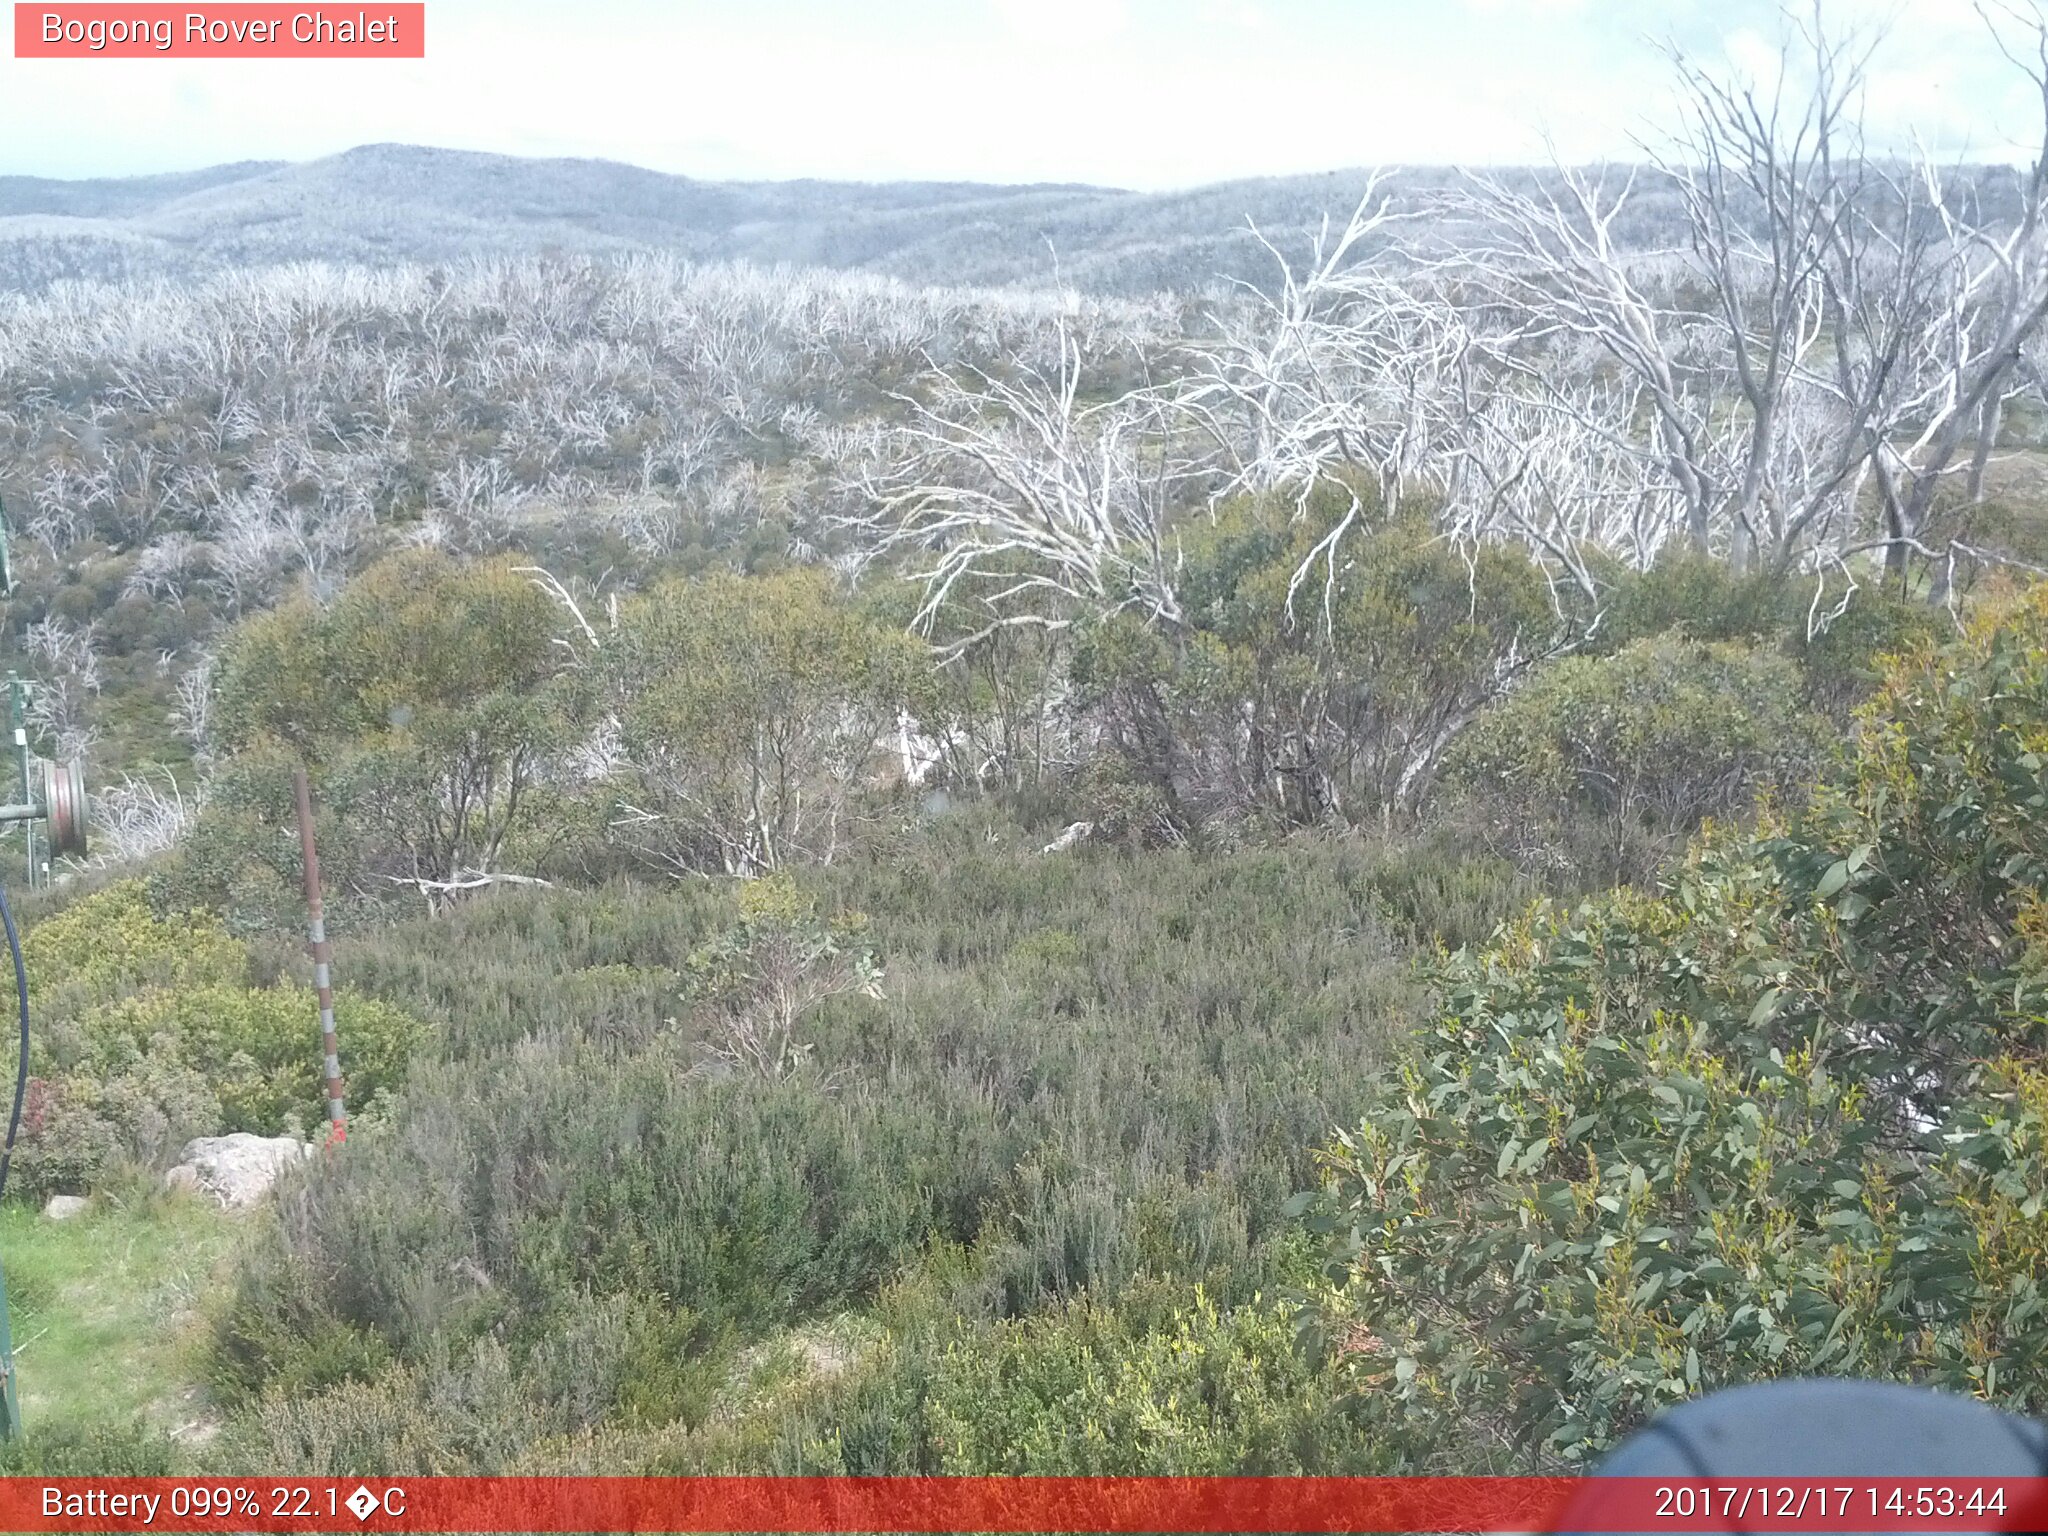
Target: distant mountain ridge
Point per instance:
(386, 203)
(390, 202)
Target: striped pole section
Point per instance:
(323, 980)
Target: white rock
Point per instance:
(64, 1207)
(1068, 838)
(184, 1176)
(236, 1170)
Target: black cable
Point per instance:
(21, 1074)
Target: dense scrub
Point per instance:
(467, 722)
(1050, 1164)
(152, 1029)
(890, 1154)
(1081, 1073)
(1786, 1116)
(793, 1172)
(1613, 759)
(874, 835)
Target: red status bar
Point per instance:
(1017, 1504)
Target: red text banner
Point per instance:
(231, 31)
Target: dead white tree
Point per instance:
(1987, 303)
(1552, 469)
(140, 816)
(1342, 366)
(65, 659)
(1025, 506)
(248, 548)
(191, 713)
(164, 569)
(1834, 328)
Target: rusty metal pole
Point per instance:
(323, 980)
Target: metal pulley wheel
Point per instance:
(64, 805)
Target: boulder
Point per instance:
(64, 1207)
(236, 1170)
(185, 1177)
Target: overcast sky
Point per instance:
(1138, 93)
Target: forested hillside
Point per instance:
(393, 203)
(1383, 869)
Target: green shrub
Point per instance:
(113, 944)
(748, 710)
(1697, 597)
(296, 1347)
(1613, 760)
(1838, 637)
(614, 1365)
(476, 1420)
(149, 1034)
(97, 1450)
(418, 699)
(240, 860)
(755, 986)
(1160, 1382)
(1442, 885)
(1789, 1116)
(259, 1050)
(64, 1143)
(1305, 686)
(1844, 662)
(570, 1172)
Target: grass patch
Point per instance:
(105, 1311)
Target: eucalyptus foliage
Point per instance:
(1788, 1116)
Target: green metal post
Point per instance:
(17, 698)
(10, 1400)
